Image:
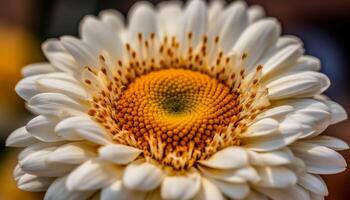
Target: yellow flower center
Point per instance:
(178, 106)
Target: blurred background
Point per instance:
(24, 24)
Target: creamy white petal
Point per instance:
(288, 132)
(209, 191)
(230, 24)
(142, 19)
(36, 163)
(292, 193)
(59, 57)
(20, 138)
(214, 9)
(240, 175)
(83, 54)
(232, 190)
(255, 39)
(72, 89)
(282, 58)
(32, 183)
(73, 153)
(119, 154)
(142, 176)
(319, 159)
(181, 187)
(92, 175)
(37, 147)
(194, 20)
(18, 172)
(42, 128)
(27, 87)
(255, 12)
(338, 113)
(329, 141)
(276, 177)
(117, 191)
(302, 84)
(59, 191)
(79, 127)
(37, 68)
(313, 183)
(262, 127)
(275, 112)
(101, 37)
(169, 14)
(55, 104)
(277, 157)
(228, 158)
(113, 19)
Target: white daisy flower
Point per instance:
(187, 101)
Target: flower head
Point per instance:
(184, 102)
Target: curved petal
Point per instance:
(73, 153)
(92, 175)
(36, 69)
(291, 193)
(319, 159)
(142, 176)
(232, 190)
(42, 128)
(181, 187)
(313, 183)
(33, 183)
(20, 138)
(117, 191)
(276, 177)
(209, 191)
(328, 141)
(228, 158)
(27, 87)
(119, 154)
(59, 191)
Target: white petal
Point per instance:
(73, 153)
(288, 131)
(82, 53)
(338, 113)
(117, 191)
(230, 24)
(240, 175)
(313, 183)
(32, 183)
(194, 20)
(27, 87)
(18, 172)
(319, 159)
(232, 190)
(59, 191)
(113, 19)
(119, 154)
(142, 19)
(181, 187)
(93, 175)
(329, 141)
(36, 163)
(59, 57)
(292, 193)
(303, 84)
(20, 138)
(37, 68)
(77, 128)
(228, 158)
(255, 12)
(255, 39)
(209, 191)
(169, 14)
(276, 177)
(278, 157)
(276, 112)
(55, 104)
(59, 85)
(101, 37)
(42, 128)
(142, 176)
(262, 127)
(282, 58)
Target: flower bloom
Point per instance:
(182, 102)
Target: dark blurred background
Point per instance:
(324, 26)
